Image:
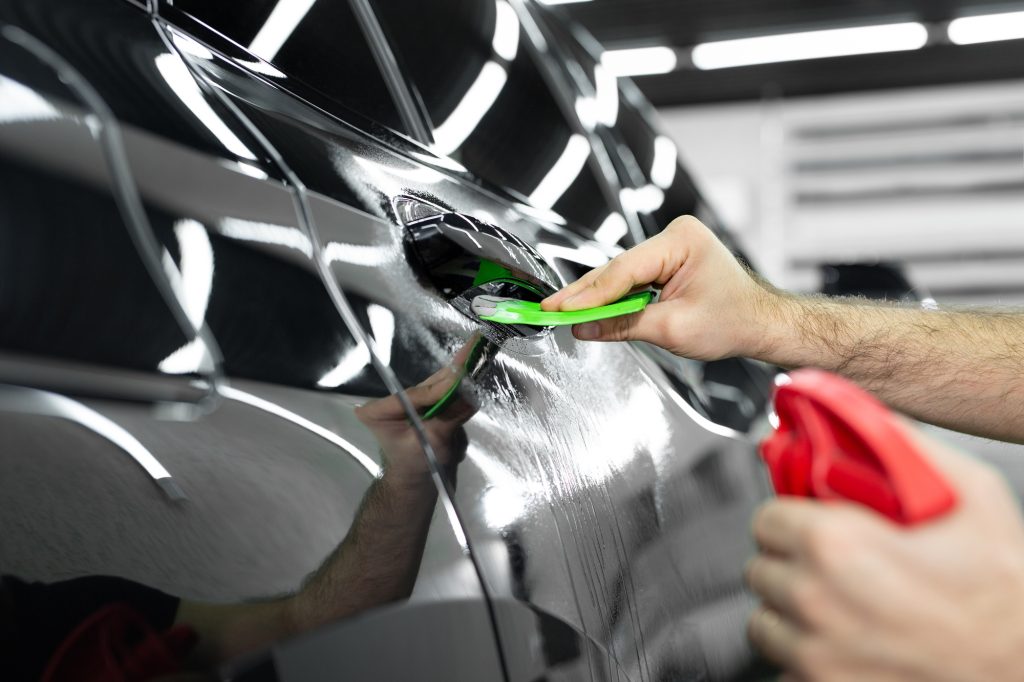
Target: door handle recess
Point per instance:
(450, 247)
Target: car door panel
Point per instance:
(271, 468)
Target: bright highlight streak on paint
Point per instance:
(612, 229)
(506, 31)
(587, 255)
(282, 22)
(475, 104)
(646, 199)
(273, 408)
(178, 77)
(266, 233)
(606, 96)
(565, 171)
(382, 325)
(989, 28)
(193, 287)
(190, 46)
(840, 42)
(586, 112)
(21, 103)
(349, 366)
(640, 61)
(34, 401)
(356, 254)
(663, 166)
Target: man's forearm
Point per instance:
(960, 370)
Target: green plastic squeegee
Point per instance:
(515, 311)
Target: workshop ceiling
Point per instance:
(684, 23)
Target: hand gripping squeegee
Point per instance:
(834, 441)
(515, 311)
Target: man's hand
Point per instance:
(848, 595)
(710, 307)
(963, 370)
(404, 458)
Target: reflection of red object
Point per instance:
(836, 442)
(116, 644)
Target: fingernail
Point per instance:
(588, 331)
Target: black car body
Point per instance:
(225, 226)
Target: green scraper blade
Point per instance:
(515, 311)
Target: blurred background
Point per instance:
(839, 132)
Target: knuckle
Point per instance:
(683, 223)
(821, 542)
(617, 329)
(662, 329)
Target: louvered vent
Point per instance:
(935, 181)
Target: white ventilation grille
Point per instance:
(934, 179)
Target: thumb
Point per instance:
(648, 325)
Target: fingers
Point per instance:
(781, 525)
(424, 394)
(774, 636)
(648, 325)
(554, 301)
(774, 580)
(654, 261)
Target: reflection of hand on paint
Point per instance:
(445, 410)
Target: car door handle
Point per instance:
(449, 243)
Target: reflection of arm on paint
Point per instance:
(379, 558)
(375, 564)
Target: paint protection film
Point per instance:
(589, 491)
(211, 506)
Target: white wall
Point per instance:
(954, 211)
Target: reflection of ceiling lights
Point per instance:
(474, 105)
(989, 28)
(180, 80)
(840, 42)
(20, 103)
(640, 61)
(282, 22)
(506, 31)
(484, 91)
(663, 166)
(561, 175)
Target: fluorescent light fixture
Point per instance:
(282, 22)
(840, 42)
(563, 173)
(474, 105)
(560, 2)
(989, 28)
(640, 61)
